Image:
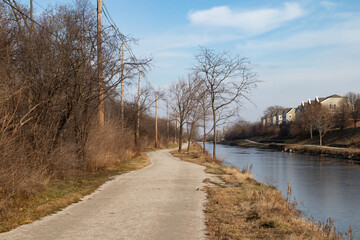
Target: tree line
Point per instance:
(49, 97)
(211, 93)
(312, 118)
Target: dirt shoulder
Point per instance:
(242, 208)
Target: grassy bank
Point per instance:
(242, 208)
(60, 193)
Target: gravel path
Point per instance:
(161, 201)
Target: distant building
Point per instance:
(331, 102)
(288, 115)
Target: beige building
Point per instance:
(331, 102)
(288, 115)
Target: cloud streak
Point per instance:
(253, 21)
(328, 4)
(342, 34)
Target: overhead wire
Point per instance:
(121, 36)
(27, 17)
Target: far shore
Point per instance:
(351, 155)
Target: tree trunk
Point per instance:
(137, 132)
(99, 64)
(320, 135)
(311, 132)
(156, 122)
(176, 128)
(122, 88)
(204, 139)
(180, 136)
(214, 147)
(189, 142)
(190, 136)
(167, 125)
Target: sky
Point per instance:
(299, 49)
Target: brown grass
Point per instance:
(58, 194)
(243, 208)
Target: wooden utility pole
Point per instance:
(99, 63)
(167, 123)
(122, 87)
(156, 122)
(137, 134)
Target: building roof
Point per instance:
(286, 110)
(331, 96)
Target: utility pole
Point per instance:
(156, 122)
(137, 134)
(167, 123)
(122, 87)
(99, 63)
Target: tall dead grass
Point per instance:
(108, 147)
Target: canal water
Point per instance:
(324, 187)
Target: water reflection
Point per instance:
(325, 187)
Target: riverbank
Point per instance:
(349, 154)
(60, 193)
(242, 208)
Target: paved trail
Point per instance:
(160, 201)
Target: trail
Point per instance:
(161, 201)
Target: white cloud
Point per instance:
(328, 4)
(253, 21)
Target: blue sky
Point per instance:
(300, 49)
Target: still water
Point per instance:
(324, 187)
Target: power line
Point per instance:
(121, 36)
(26, 16)
(39, 5)
(113, 25)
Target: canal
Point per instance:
(324, 187)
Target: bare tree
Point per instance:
(309, 116)
(323, 122)
(205, 109)
(354, 98)
(271, 109)
(193, 118)
(183, 94)
(343, 113)
(228, 80)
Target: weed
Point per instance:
(268, 224)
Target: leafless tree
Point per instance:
(343, 113)
(309, 116)
(271, 109)
(354, 98)
(228, 80)
(193, 119)
(324, 122)
(205, 109)
(184, 94)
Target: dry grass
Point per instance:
(108, 146)
(246, 209)
(60, 193)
